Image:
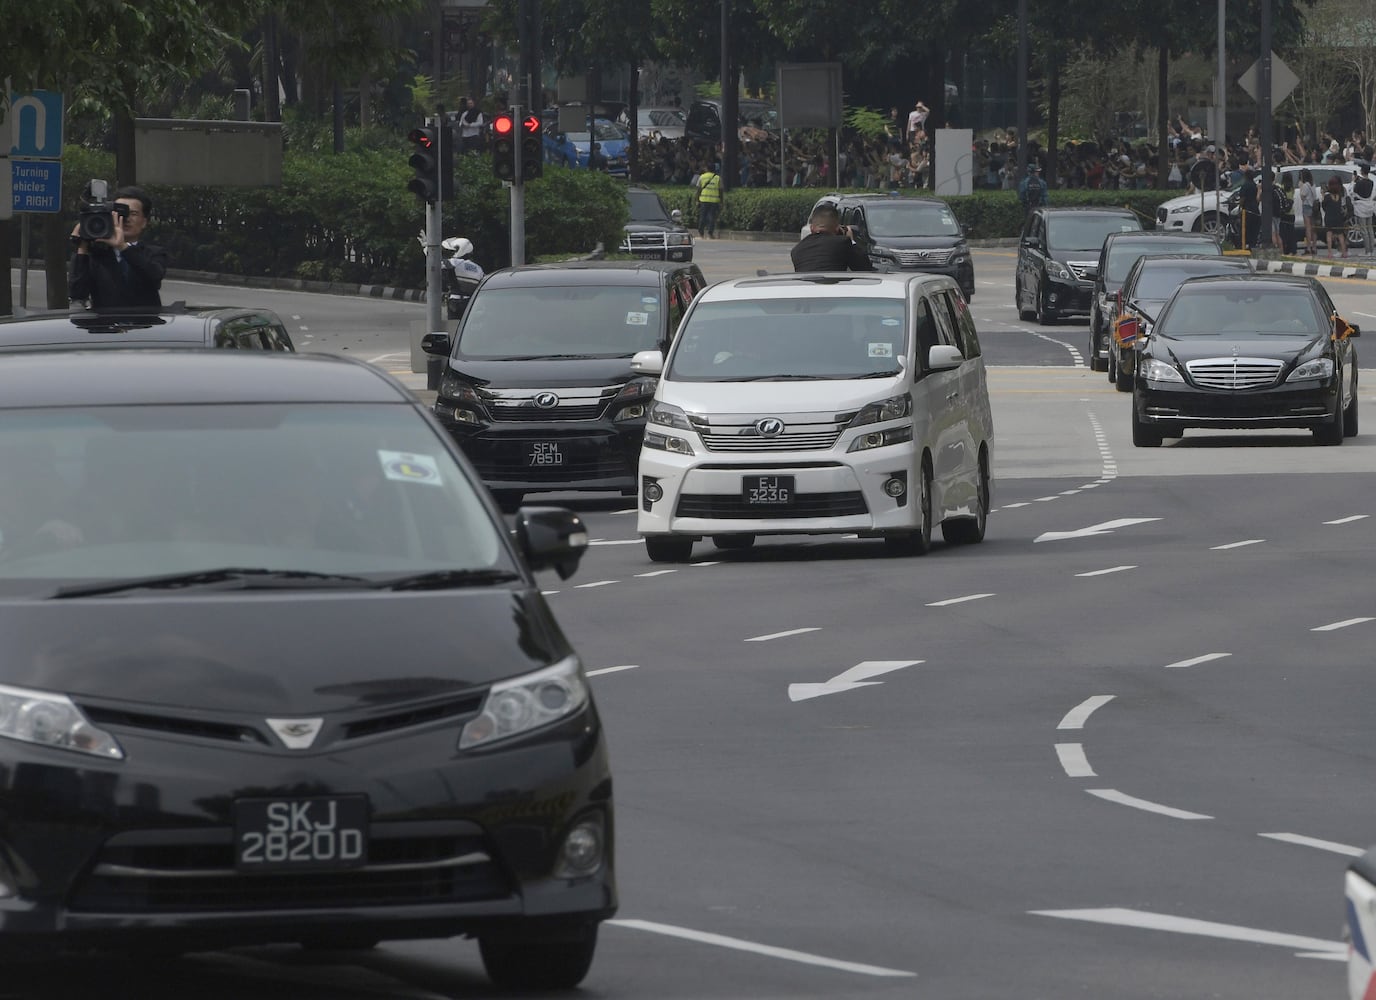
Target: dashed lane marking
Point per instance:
(1115, 796)
(1197, 660)
(958, 600)
(1073, 760)
(1322, 845)
(1349, 519)
(1333, 627)
(612, 670)
(782, 635)
(1106, 572)
(1079, 715)
(1201, 928)
(1236, 545)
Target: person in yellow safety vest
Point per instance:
(708, 184)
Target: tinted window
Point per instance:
(559, 320)
(1122, 254)
(1159, 281)
(1242, 309)
(1070, 233)
(911, 220)
(962, 322)
(790, 338)
(646, 207)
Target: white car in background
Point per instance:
(1360, 893)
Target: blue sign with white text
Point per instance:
(37, 185)
(36, 124)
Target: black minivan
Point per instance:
(538, 389)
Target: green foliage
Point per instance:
(868, 123)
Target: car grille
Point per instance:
(645, 241)
(917, 258)
(570, 404)
(183, 871)
(744, 437)
(502, 459)
(1082, 270)
(1234, 373)
(804, 505)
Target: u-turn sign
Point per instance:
(35, 124)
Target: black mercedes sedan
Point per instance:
(235, 328)
(1247, 351)
(226, 714)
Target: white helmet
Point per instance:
(458, 246)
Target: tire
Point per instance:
(919, 542)
(538, 963)
(1026, 315)
(1125, 381)
(733, 542)
(1350, 414)
(1093, 356)
(970, 530)
(1331, 434)
(1112, 367)
(1045, 316)
(668, 548)
(1210, 224)
(1143, 435)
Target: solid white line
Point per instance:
(1342, 624)
(1105, 572)
(716, 562)
(1236, 545)
(1113, 795)
(615, 541)
(758, 949)
(958, 600)
(658, 572)
(548, 593)
(1015, 506)
(1074, 761)
(1348, 520)
(596, 583)
(1044, 499)
(1079, 715)
(612, 670)
(1123, 917)
(1322, 845)
(782, 635)
(1196, 661)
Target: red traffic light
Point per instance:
(503, 125)
(531, 124)
(422, 137)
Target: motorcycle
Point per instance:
(461, 276)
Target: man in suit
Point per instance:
(829, 246)
(120, 270)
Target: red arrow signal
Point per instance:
(532, 124)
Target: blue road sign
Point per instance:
(37, 185)
(36, 124)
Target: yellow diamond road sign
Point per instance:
(1283, 80)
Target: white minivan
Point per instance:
(790, 404)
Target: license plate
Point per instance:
(296, 834)
(653, 254)
(768, 491)
(545, 453)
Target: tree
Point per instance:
(1336, 57)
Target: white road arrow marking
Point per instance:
(1094, 529)
(848, 680)
(1203, 928)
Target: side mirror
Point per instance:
(857, 229)
(944, 357)
(1029, 241)
(647, 362)
(676, 215)
(1354, 330)
(551, 538)
(436, 343)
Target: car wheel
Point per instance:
(1045, 315)
(1144, 435)
(733, 541)
(1350, 414)
(536, 963)
(1126, 379)
(668, 548)
(970, 530)
(1331, 433)
(1092, 356)
(1026, 315)
(1210, 225)
(1112, 366)
(919, 542)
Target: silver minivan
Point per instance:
(793, 404)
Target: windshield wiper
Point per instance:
(443, 579)
(247, 579)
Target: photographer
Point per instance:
(119, 269)
(829, 246)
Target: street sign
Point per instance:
(1283, 80)
(36, 185)
(36, 124)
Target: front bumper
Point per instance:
(141, 851)
(1068, 298)
(559, 455)
(962, 274)
(1304, 404)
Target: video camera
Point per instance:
(96, 219)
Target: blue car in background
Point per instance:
(570, 149)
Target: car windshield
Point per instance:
(916, 219)
(1242, 309)
(646, 207)
(1124, 253)
(1159, 281)
(1084, 234)
(543, 321)
(661, 117)
(760, 116)
(122, 492)
(791, 338)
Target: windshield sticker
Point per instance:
(637, 319)
(649, 301)
(405, 467)
(881, 350)
(889, 321)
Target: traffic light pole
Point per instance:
(434, 234)
(518, 196)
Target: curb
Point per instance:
(1308, 268)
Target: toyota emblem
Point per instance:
(769, 427)
(545, 400)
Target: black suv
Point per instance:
(704, 118)
(653, 232)
(909, 234)
(1058, 259)
(538, 389)
(176, 325)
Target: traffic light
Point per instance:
(504, 147)
(532, 149)
(425, 161)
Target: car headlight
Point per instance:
(634, 399)
(523, 704)
(668, 442)
(882, 439)
(52, 720)
(668, 415)
(888, 253)
(1158, 371)
(680, 240)
(457, 389)
(1317, 368)
(1184, 210)
(893, 408)
(1058, 270)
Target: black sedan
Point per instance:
(1254, 351)
(227, 715)
(177, 325)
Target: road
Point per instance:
(1121, 749)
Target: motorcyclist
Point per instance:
(465, 274)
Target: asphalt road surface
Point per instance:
(1122, 749)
